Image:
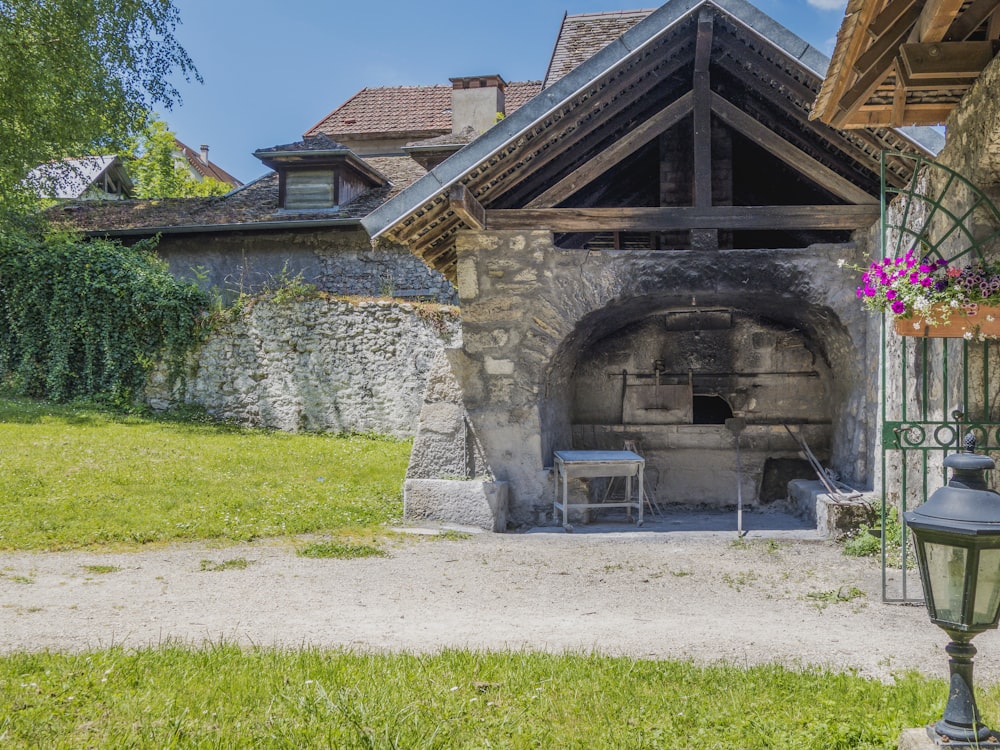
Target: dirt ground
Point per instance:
(670, 590)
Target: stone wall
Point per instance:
(339, 260)
(324, 364)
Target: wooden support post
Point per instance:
(703, 239)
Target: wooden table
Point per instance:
(579, 464)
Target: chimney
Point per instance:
(204, 153)
(475, 101)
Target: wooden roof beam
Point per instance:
(935, 20)
(799, 160)
(659, 123)
(914, 114)
(683, 218)
(638, 83)
(943, 60)
(971, 19)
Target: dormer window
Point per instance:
(318, 173)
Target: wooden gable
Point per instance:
(699, 137)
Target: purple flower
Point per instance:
(891, 294)
(869, 291)
(899, 307)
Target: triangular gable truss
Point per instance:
(688, 63)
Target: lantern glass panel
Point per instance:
(987, 588)
(946, 575)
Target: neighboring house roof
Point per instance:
(770, 73)
(203, 166)
(905, 63)
(253, 206)
(410, 111)
(583, 35)
(73, 178)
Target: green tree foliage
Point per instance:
(79, 77)
(158, 171)
(89, 318)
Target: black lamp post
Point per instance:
(957, 535)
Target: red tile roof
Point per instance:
(583, 35)
(211, 169)
(412, 111)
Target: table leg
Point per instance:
(565, 503)
(628, 497)
(642, 496)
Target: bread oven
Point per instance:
(669, 381)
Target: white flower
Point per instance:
(954, 303)
(990, 318)
(840, 263)
(916, 325)
(921, 303)
(967, 336)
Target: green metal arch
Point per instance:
(914, 224)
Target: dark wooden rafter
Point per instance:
(794, 157)
(594, 113)
(683, 218)
(858, 145)
(614, 153)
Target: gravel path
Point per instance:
(660, 593)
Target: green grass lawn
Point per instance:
(222, 697)
(75, 477)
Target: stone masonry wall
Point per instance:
(529, 309)
(324, 364)
(336, 260)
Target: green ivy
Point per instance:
(90, 318)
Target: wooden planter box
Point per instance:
(979, 320)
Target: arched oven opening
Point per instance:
(668, 378)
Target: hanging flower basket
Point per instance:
(930, 299)
(967, 321)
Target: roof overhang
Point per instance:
(906, 62)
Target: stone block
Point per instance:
(915, 739)
(469, 502)
(834, 515)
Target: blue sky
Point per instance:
(273, 69)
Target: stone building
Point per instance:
(649, 247)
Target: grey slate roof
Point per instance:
(583, 34)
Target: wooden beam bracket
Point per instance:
(463, 203)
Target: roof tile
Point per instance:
(583, 35)
(416, 110)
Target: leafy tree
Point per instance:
(158, 171)
(79, 77)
